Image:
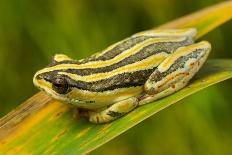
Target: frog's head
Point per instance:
(54, 84)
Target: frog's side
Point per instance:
(138, 70)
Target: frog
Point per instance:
(138, 70)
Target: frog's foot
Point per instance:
(114, 111)
(175, 71)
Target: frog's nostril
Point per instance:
(43, 77)
(40, 76)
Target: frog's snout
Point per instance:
(41, 80)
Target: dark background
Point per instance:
(31, 32)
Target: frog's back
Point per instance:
(126, 64)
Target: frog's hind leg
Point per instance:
(114, 111)
(175, 71)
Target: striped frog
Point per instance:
(137, 70)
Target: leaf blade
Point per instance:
(204, 20)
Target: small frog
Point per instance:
(137, 70)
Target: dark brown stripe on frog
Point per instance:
(124, 80)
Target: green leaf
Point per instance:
(44, 125)
(204, 20)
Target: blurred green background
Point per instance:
(32, 31)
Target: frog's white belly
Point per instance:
(93, 100)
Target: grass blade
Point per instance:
(204, 20)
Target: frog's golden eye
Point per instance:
(60, 85)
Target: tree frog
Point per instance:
(135, 71)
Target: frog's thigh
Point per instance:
(176, 70)
(114, 111)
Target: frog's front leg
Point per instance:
(175, 71)
(114, 111)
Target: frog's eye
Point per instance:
(60, 85)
